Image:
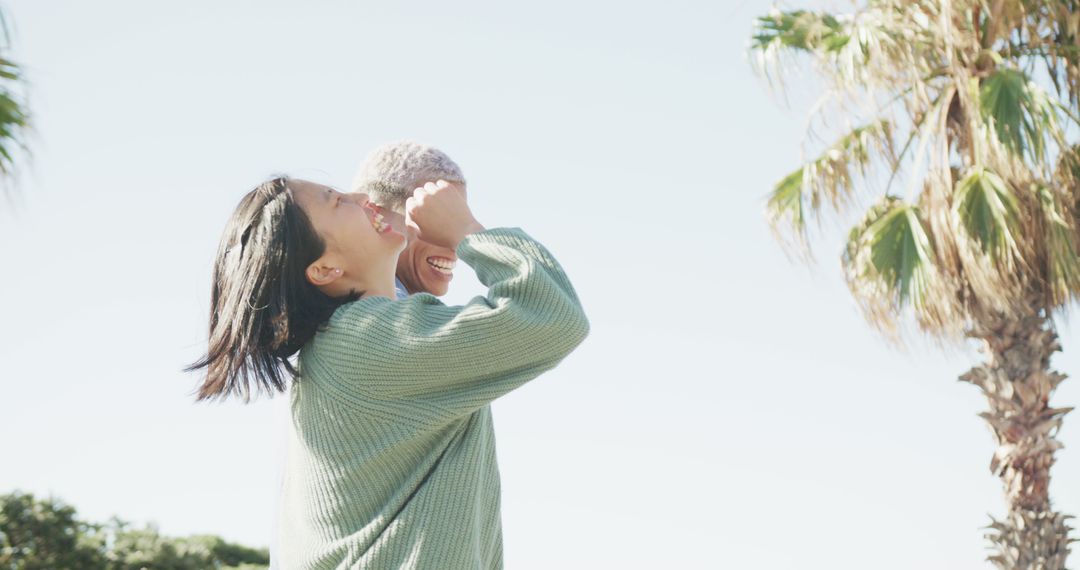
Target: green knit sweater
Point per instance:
(391, 454)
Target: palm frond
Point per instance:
(986, 226)
(873, 53)
(1062, 260)
(800, 30)
(851, 48)
(830, 178)
(1021, 114)
(986, 210)
(13, 125)
(1067, 176)
(787, 204)
(14, 111)
(889, 262)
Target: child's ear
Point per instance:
(319, 274)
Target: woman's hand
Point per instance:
(439, 214)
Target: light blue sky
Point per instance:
(730, 409)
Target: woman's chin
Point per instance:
(391, 235)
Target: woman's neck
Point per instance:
(379, 283)
(381, 290)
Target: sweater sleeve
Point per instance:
(462, 357)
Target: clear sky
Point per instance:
(730, 409)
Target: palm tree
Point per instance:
(957, 120)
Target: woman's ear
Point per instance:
(319, 274)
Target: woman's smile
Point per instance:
(376, 219)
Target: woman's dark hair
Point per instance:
(262, 307)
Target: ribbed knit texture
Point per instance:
(391, 454)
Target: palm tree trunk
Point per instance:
(1018, 382)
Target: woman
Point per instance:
(391, 453)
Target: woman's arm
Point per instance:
(462, 357)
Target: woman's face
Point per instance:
(358, 242)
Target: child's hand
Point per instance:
(439, 214)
